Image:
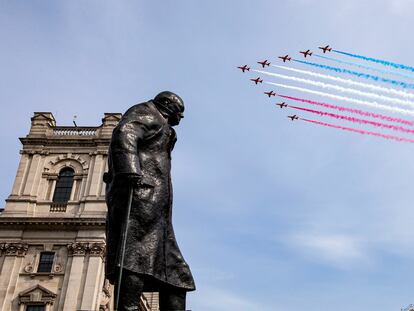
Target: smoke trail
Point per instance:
(384, 71)
(346, 99)
(358, 74)
(350, 82)
(355, 120)
(341, 89)
(378, 61)
(350, 129)
(346, 109)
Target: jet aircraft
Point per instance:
(282, 105)
(271, 93)
(294, 117)
(306, 53)
(285, 58)
(264, 63)
(325, 49)
(258, 80)
(244, 68)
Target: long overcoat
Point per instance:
(141, 144)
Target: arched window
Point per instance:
(63, 186)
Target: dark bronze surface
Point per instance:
(140, 155)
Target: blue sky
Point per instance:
(270, 214)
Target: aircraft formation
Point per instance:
(366, 94)
(285, 58)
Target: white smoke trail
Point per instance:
(341, 89)
(350, 82)
(346, 99)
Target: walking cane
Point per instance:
(121, 255)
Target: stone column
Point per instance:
(31, 177)
(52, 189)
(49, 307)
(78, 251)
(21, 172)
(9, 273)
(96, 181)
(93, 286)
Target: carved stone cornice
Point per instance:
(14, 249)
(49, 223)
(78, 248)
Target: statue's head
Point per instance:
(171, 106)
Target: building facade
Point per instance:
(52, 229)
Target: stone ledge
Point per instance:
(50, 223)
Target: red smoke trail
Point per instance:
(350, 129)
(356, 111)
(356, 120)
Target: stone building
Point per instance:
(52, 229)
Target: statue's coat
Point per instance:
(141, 144)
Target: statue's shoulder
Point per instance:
(145, 113)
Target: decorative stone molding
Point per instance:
(97, 249)
(83, 248)
(105, 302)
(29, 268)
(78, 249)
(51, 223)
(14, 249)
(58, 268)
(35, 151)
(75, 161)
(37, 294)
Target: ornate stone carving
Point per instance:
(97, 249)
(83, 248)
(105, 297)
(57, 268)
(14, 249)
(78, 249)
(29, 268)
(37, 294)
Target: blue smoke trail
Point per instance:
(378, 61)
(359, 74)
(366, 67)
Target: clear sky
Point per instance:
(270, 214)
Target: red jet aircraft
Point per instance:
(285, 58)
(306, 53)
(294, 117)
(244, 68)
(264, 63)
(282, 105)
(258, 80)
(271, 93)
(325, 49)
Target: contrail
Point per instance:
(350, 82)
(355, 120)
(350, 129)
(378, 61)
(346, 99)
(341, 89)
(351, 110)
(358, 74)
(384, 71)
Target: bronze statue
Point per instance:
(139, 169)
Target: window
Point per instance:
(36, 308)
(45, 263)
(63, 186)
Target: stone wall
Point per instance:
(74, 232)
